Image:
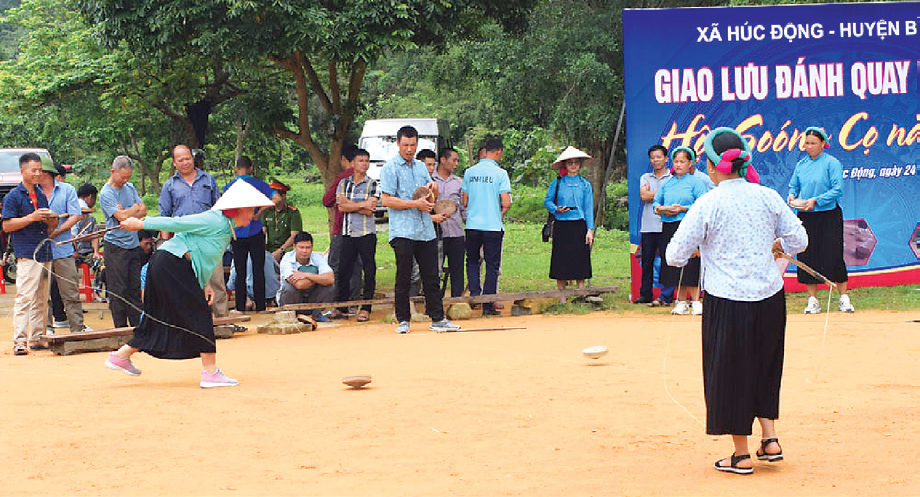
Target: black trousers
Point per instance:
(123, 283)
(335, 256)
(491, 244)
(243, 248)
(426, 254)
(652, 245)
(353, 249)
(57, 305)
(455, 253)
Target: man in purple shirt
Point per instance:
(450, 228)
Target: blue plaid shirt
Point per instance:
(63, 200)
(18, 204)
(400, 178)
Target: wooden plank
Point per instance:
(129, 330)
(480, 299)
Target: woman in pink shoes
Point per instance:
(176, 323)
(737, 226)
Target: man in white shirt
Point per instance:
(306, 277)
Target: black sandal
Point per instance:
(762, 454)
(734, 465)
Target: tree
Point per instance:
(324, 46)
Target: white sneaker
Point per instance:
(696, 308)
(443, 325)
(61, 324)
(813, 306)
(681, 308)
(216, 379)
(845, 305)
(402, 328)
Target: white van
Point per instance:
(379, 138)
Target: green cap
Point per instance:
(48, 165)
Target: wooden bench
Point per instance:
(480, 299)
(109, 339)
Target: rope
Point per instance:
(126, 301)
(664, 366)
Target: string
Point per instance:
(126, 301)
(664, 366)
(830, 291)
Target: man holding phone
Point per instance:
(27, 218)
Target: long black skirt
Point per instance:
(825, 246)
(571, 258)
(742, 362)
(173, 296)
(671, 275)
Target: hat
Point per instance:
(279, 186)
(48, 165)
(725, 159)
(820, 132)
(569, 153)
(241, 194)
(690, 152)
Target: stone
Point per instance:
(223, 332)
(459, 310)
(284, 323)
(537, 305)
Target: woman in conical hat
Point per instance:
(570, 199)
(176, 323)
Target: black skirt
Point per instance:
(825, 246)
(174, 297)
(671, 275)
(742, 362)
(571, 258)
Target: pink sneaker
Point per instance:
(216, 379)
(115, 362)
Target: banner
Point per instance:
(771, 72)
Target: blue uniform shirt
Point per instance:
(484, 183)
(574, 191)
(63, 200)
(400, 178)
(683, 190)
(18, 204)
(178, 198)
(821, 179)
(255, 226)
(109, 199)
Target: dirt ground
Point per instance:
(515, 412)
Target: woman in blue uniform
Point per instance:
(570, 199)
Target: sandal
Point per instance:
(763, 455)
(363, 316)
(655, 303)
(734, 468)
(20, 349)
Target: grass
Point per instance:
(525, 263)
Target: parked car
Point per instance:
(379, 138)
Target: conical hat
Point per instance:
(241, 194)
(569, 153)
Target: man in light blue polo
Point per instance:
(62, 199)
(412, 233)
(487, 197)
(122, 253)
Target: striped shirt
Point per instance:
(355, 223)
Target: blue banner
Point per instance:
(771, 72)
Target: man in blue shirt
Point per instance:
(250, 242)
(192, 191)
(65, 291)
(411, 230)
(27, 219)
(487, 197)
(121, 250)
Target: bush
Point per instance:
(527, 204)
(616, 209)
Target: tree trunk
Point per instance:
(241, 130)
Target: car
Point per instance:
(378, 137)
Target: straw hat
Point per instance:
(569, 153)
(241, 194)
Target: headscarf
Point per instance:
(724, 161)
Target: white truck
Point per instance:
(379, 138)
